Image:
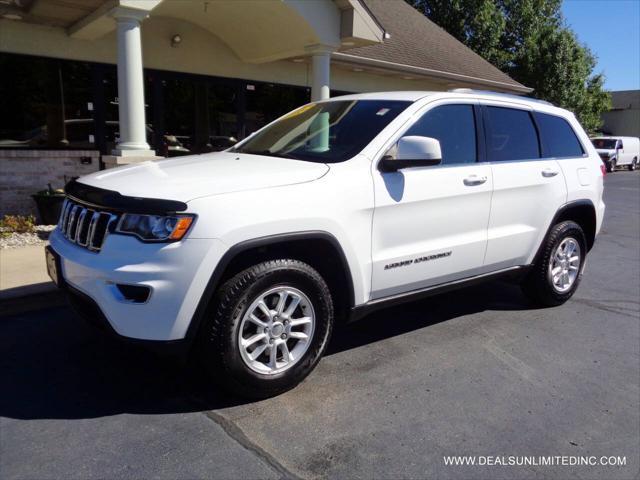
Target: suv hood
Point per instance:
(190, 177)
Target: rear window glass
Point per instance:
(558, 138)
(512, 135)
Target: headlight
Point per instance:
(155, 228)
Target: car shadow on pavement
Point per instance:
(405, 318)
(53, 366)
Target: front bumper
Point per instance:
(176, 274)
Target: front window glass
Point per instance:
(324, 132)
(604, 143)
(454, 126)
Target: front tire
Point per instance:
(633, 165)
(611, 166)
(268, 328)
(558, 269)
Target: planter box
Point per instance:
(49, 208)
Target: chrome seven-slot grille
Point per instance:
(85, 226)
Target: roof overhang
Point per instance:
(256, 30)
(352, 60)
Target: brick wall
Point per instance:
(24, 172)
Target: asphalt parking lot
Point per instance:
(473, 372)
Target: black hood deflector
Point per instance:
(102, 199)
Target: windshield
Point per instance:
(325, 132)
(606, 143)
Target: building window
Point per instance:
(198, 115)
(45, 103)
(57, 104)
(222, 116)
(267, 101)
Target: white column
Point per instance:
(320, 90)
(132, 123)
(320, 73)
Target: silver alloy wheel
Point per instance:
(276, 330)
(564, 265)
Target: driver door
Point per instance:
(430, 223)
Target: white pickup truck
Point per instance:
(618, 151)
(336, 209)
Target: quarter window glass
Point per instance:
(512, 135)
(454, 126)
(558, 138)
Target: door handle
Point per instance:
(549, 172)
(472, 180)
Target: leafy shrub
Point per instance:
(18, 224)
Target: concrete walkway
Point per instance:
(23, 272)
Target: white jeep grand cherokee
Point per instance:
(337, 208)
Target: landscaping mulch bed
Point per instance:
(15, 240)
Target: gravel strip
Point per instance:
(16, 240)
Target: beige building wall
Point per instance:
(199, 52)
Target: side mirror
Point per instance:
(413, 151)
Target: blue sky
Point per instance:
(611, 29)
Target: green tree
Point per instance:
(476, 23)
(528, 40)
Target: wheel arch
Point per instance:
(583, 212)
(307, 246)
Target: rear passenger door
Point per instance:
(527, 189)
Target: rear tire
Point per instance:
(558, 270)
(611, 166)
(269, 326)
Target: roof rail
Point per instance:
(497, 94)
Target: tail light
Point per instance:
(603, 169)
